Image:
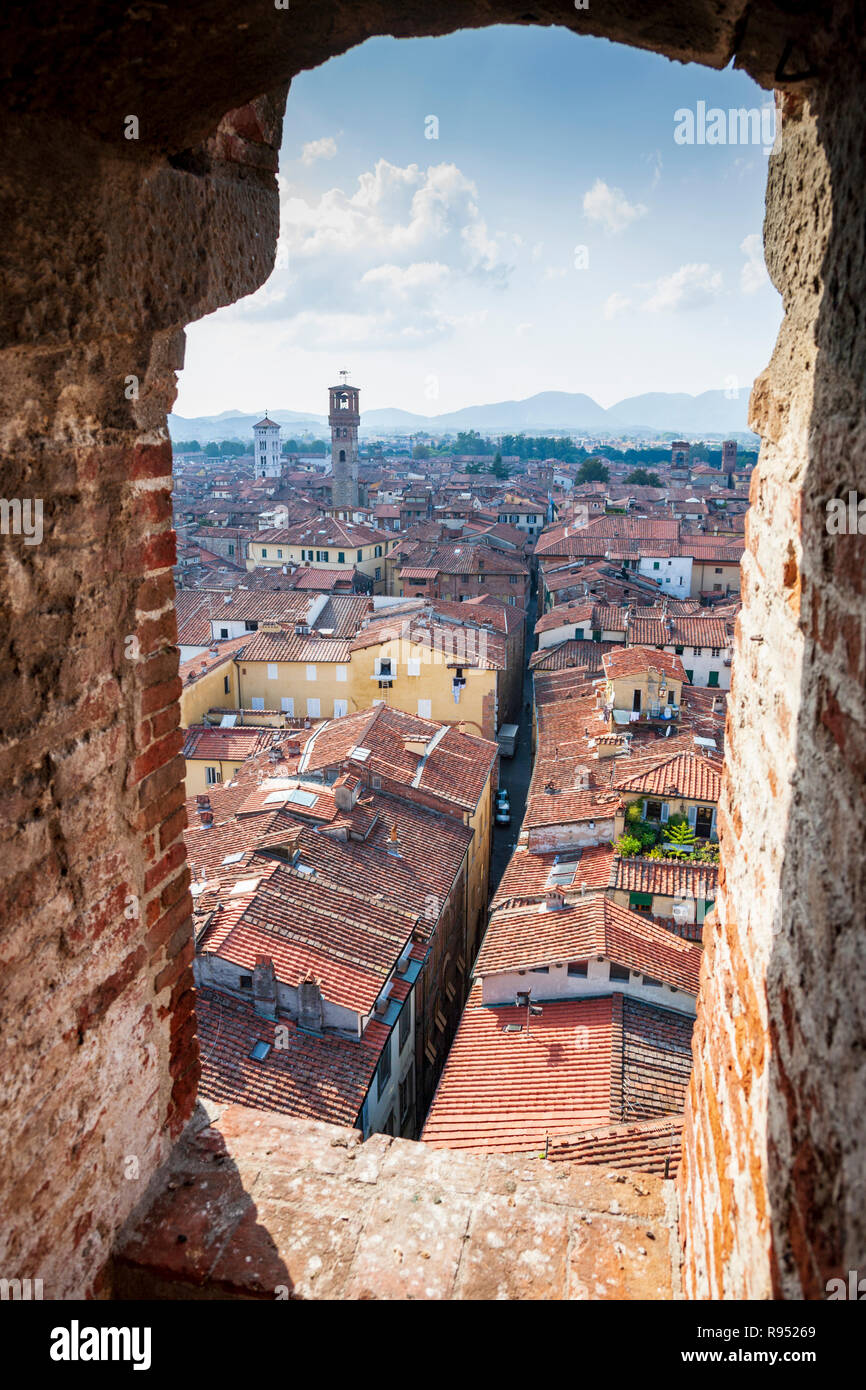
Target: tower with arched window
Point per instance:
(344, 417)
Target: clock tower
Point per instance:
(344, 417)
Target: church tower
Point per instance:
(268, 459)
(344, 417)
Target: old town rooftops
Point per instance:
(535, 934)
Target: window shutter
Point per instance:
(666, 810)
(692, 816)
(643, 810)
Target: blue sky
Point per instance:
(554, 236)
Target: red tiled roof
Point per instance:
(668, 878)
(527, 936)
(647, 1146)
(627, 661)
(235, 744)
(685, 774)
(321, 1078)
(583, 1064)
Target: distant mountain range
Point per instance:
(657, 412)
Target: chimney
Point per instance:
(394, 842)
(265, 987)
(205, 811)
(311, 1010)
(554, 900)
(346, 791)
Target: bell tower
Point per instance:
(344, 417)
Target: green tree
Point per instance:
(231, 448)
(421, 451)
(498, 468)
(212, 450)
(683, 837)
(628, 846)
(593, 471)
(641, 477)
(188, 446)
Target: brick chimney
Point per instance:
(205, 811)
(265, 987)
(346, 790)
(311, 1011)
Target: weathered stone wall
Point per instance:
(774, 1161)
(99, 1053)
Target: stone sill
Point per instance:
(256, 1205)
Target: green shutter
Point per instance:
(640, 899)
(713, 678)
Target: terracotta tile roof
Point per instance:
(668, 878)
(208, 661)
(685, 774)
(627, 661)
(504, 1092)
(455, 766)
(473, 645)
(519, 938)
(585, 654)
(321, 1078)
(683, 631)
(647, 1146)
(204, 741)
(527, 875)
(287, 645)
(584, 1064)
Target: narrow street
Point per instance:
(514, 773)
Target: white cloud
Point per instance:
(753, 275)
(421, 275)
(326, 148)
(615, 304)
(390, 262)
(610, 207)
(690, 287)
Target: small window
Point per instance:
(341, 557)
(698, 651)
(713, 678)
(264, 552)
(341, 673)
(383, 1071)
(246, 982)
(656, 565)
(287, 704)
(512, 578)
(653, 810)
(405, 1095)
(648, 980)
(212, 776)
(231, 550)
(273, 671)
(378, 572)
(311, 673)
(619, 972)
(257, 702)
(716, 651)
(260, 1051)
(718, 569)
(226, 685)
(224, 632)
(314, 709)
(377, 784)
(279, 554)
(578, 967)
(540, 970)
(679, 649)
(360, 554)
(405, 1024)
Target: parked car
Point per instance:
(502, 797)
(503, 813)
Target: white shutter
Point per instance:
(258, 702)
(341, 707)
(287, 704)
(414, 666)
(643, 810)
(692, 816)
(425, 709)
(313, 709)
(666, 810)
(273, 671)
(342, 673)
(311, 673)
